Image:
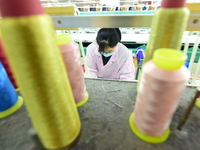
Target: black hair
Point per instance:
(107, 37)
(119, 33)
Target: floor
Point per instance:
(104, 124)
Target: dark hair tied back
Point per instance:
(107, 37)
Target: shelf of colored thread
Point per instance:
(119, 8)
(116, 12)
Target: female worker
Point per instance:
(107, 58)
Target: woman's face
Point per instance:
(109, 49)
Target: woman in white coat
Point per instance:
(107, 58)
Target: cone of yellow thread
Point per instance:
(31, 46)
(167, 29)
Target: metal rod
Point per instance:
(188, 110)
(115, 103)
(137, 73)
(83, 54)
(126, 20)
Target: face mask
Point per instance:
(107, 54)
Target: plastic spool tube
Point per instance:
(30, 43)
(10, 102)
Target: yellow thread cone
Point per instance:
(31, 46)
(166, 30)
(198, 102)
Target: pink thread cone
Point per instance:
(71, 57)
(158, 97)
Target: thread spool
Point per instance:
(71, 57)
(144, 8)
(112, 8)
(79, 9)
(150, 8)
(94, 8)
(86, 8)
(5, 63)
(104, 8)
(126, 8)
(99, 8)
(198, 101)
(39, 68)
(154, 7)
(167, 27)
(9, 100)
(91, 8)
(162, 83)
(140, 7)
(134, 8)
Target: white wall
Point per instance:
(110, 2)
(193, 1)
